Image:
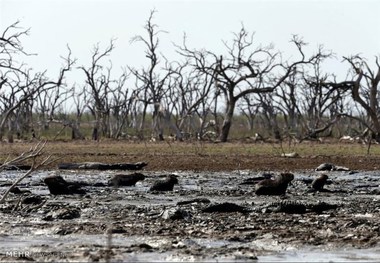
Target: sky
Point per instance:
(344, 27)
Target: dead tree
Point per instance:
(122, 100)
(245, 70)
(189, 96)
(18, 83)
(321, 106)
(363, 85)
(269, 113)
(101, 87)
(79, 98)
(249, 108)
(288, 103)
(309, 108)
(49, 103)
(150, 83)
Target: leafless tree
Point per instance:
(288, 100)
(249, 108)
(79, 97)
(48, 104)
(19, 86)
(101, 87)
(121, 102)
(150, 81)
(245, 71)
(321, 106)
(189, 96)
(269, 112)
(363, 85)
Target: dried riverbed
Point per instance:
(133, 224)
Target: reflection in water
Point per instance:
(303, 255)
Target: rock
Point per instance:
(63, 213)
(165, 185)
(58, 186)
(126, 179)
(276, 186)
(176, 214)
(319, 182)
(225, 208)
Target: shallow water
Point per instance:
(314, 255)
(33, 235)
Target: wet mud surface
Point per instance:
(133, 224)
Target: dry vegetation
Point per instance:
(206, 156)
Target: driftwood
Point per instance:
(102, 166)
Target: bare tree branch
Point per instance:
(33, 153)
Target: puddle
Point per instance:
(344, 255)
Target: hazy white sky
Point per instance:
(345, 27)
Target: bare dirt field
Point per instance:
(207, 156)
(213, 214)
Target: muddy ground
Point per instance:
(134, 224)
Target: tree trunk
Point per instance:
(95, 135)
(141, 128)
(227, 120)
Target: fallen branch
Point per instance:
(32, 154)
